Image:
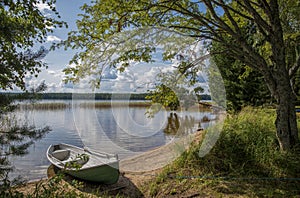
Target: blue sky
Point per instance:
(58, 59)
(68, 11)
(137, 78)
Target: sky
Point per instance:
(137, 78)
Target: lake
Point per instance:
(124, 129)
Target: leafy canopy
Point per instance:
(114, 33)
(22, 26)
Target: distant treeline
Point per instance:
(83, 96)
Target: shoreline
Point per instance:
(134, 171)
(159, 157)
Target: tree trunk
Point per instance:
(286, 125)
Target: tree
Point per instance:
(244, 85)
(252, 31)
(15, 141)
(174, 90)
(23, 25)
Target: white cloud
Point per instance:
(51, 87)
(56, 73)
(109, 74)
(51, 72)
(42, 6)
(52, 38)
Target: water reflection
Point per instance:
(15, 141)
(181, 126)
(124, 130)
(33, 166)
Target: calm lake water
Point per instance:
(124, 130)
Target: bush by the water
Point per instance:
(247, 147)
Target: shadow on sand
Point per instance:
(124, 187)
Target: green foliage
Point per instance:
(5, 104)
(257, 33)
(118, 33)
(174, 90)
(77, 162)
(15, 138)
(291, 24)
(247, 147)
(131, 30)
(23, 26)
(164, 96)
(244, 85)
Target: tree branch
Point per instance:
(233, 22)
(266, 7)
(223, 5)
(257, 17)
(294, 68)
(217, 18)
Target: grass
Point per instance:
(245, 161)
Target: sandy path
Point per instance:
(157, 158)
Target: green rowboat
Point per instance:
(85, 164)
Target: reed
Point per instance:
(44, 106)
(102, 104)
(109, 104)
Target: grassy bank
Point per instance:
(244, 162)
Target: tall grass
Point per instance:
(245, 161)
(247, 147)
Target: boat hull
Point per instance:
(100, 167)
(105, 174)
